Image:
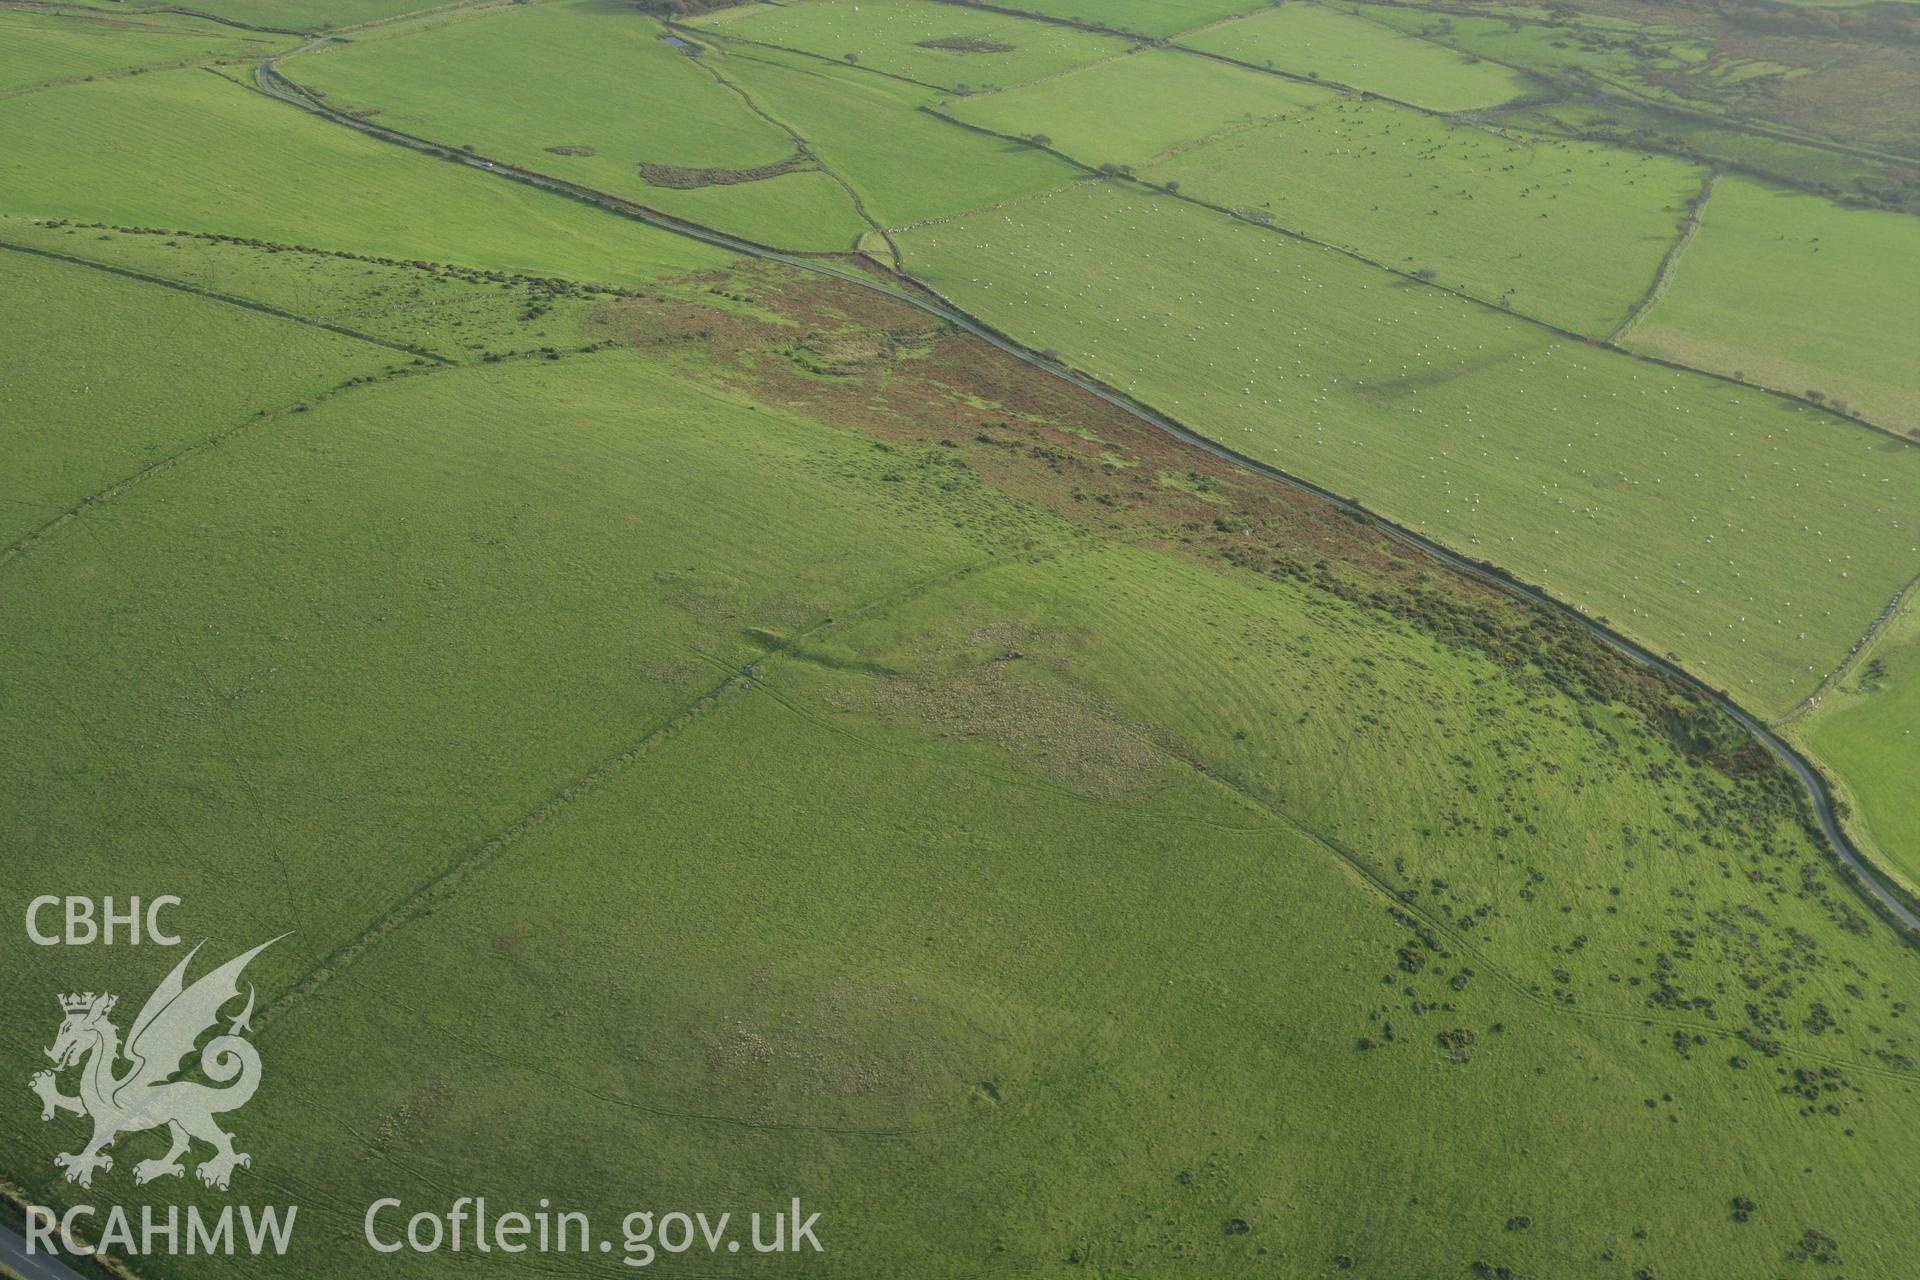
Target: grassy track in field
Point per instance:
(1754, 538)
(189, 150)
(1795, 292)
(1126, 110)
(993, 50)
(1568, 232)
(1306, 39)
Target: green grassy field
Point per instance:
(792, 657)
(1130, 109)
(1306, 39)
(910, 167)
(75, 419)
(612, 99)
(1567, 232)
(1791, 291)
(451, 312)
(717, 734)
(312, 15)
(403, 557)
(1678, 507)
(189, 150)
(1848, 81)
(597, 77)
(36, 47)
(1141, 17)
(1864, 730)
(990, 50)
(1600, 50)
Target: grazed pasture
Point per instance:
(1566, 232)
(1791, 291)
(1753, 537)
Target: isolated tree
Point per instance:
(1041, 140)
(852, 58)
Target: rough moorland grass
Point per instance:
(1556, 48)
(993, 50)
(944, 874)
(35, 47)
(1796, 292)
(735, 1034)
(1754, 538)
(1307, 39)
(906, 164)
(188, 149)
(594, 80)
(1850, 86)
(89, 386)
(1868, 730)
(1126, 110)
(1142, 17)
(1569, 232)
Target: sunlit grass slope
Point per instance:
(1568, 232)
(600, 100)
(1755, 538)
(1323, 43)
(1129, 109)
(188, 149)
(800, 823)
(1799, 293)
(89, 389)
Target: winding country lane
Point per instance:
(1865, 878)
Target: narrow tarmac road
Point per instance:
(1865, 877)
(15, 1260)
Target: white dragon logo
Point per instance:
(149, 1095)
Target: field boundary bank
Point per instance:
(1861, 873)
(1238, 215)
(1275, 816)
(1099, 29)
(115, 73)
(264, 418)
(1669, 262)
(1861, 649)
(304, 98)
(231, 300)
(471, 274)
(800, 140)
(447, 880)
(270, 82)
(710, 35)
(1608, 89)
